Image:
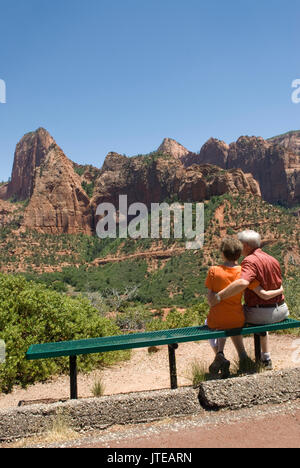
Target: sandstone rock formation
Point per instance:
(274, 167)
(142, 179)
(202, 182)
(213, 152)
(173, 148)
(289, 140)
(3, 191)
(149, 180)
(44, 176)
(58, 203)
(29, 155)
(7, 211)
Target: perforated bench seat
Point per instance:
(141, 340)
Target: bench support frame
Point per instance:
(73, 378)
(172, 363)
(257, 347)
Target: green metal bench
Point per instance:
(143, 340)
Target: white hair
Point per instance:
(251, 238)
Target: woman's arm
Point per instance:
(266, 295)
(210, 295)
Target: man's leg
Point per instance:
(265, 351)
(264, 341)
(239, 346)
(278, 314)
(246, 364)
(259, 316)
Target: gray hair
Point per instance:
(251, 238)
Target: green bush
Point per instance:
(29, 314)
(134, 318)
(193, 316)
(88, 188)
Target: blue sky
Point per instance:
(120, 75)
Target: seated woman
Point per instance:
(229, 313)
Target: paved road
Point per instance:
(270, 426)
(264, 427)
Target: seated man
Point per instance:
(257, 265)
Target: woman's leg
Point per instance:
(214, 343)
(218, 345)
(221, 345)
(220, 363)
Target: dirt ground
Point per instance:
(150, 371)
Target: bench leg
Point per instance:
(257, 347)
(172, 363)
(73, 378)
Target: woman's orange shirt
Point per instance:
(228, 313)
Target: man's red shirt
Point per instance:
(264, 268)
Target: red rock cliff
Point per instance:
(58, 203)
(30, 154)
(276, 168)
(149, 180)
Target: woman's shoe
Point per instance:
(222, 364)
(225, 372)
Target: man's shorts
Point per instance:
(265, 315)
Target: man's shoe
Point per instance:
(220, 363)
(246, 365)
(267, 365)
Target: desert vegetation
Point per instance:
(30, 313)
(65, 262)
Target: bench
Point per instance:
(72, 349)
